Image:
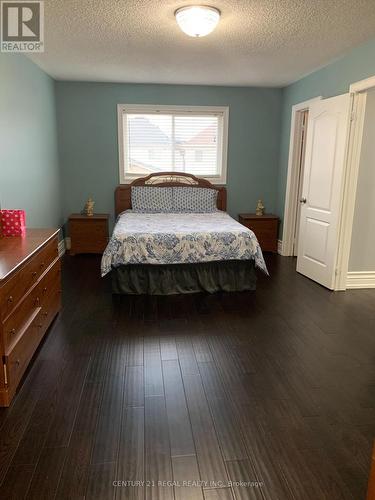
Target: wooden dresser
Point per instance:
(30, 298)
(88, 234)
(265, 228)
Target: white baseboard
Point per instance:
(61, 247)
(280, 247)
(67, 243)
(360, 279)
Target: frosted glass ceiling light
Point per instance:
(197, 20)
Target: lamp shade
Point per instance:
(197, 20)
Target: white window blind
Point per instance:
(160, 139)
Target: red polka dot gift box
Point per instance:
(13, 222)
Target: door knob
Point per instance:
(302, 200)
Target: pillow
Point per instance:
(194, 200)
(152, 199)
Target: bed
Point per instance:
(164, 253)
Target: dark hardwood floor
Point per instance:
(267, 395)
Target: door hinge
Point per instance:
(353, 116)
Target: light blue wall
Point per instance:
(329, 81)
(29, 173)
(87, 132)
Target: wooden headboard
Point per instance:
(166, 179)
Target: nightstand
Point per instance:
(265, 229)
(88, 234)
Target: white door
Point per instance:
(326, 140)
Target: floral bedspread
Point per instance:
(176, 238)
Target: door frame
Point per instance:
(358, 92)
(291, 194)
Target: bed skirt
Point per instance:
(211, 277)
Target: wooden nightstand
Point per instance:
(88, 234)
(265, 229)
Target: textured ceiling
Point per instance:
(257, 42)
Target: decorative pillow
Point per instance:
(152, 199)
(194, 200)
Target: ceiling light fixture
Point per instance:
(197, 20)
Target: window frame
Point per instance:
(223, 111)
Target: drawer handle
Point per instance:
(44, 289)
(41, 265)
(10, 299)
(18, 362)
(13, 331)
(39, 325)
(45, 313)
(37, 301)
(33, 274)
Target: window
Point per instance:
(172, 138)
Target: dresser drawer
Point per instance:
(265, 229)
(262, 233)
(18, 285)
(88, 234)
(17, 360)
(49, 310)
(263, 226)
(49, 283)
(19, 357)
(267, 243)
(15, 325)
(88, 229)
